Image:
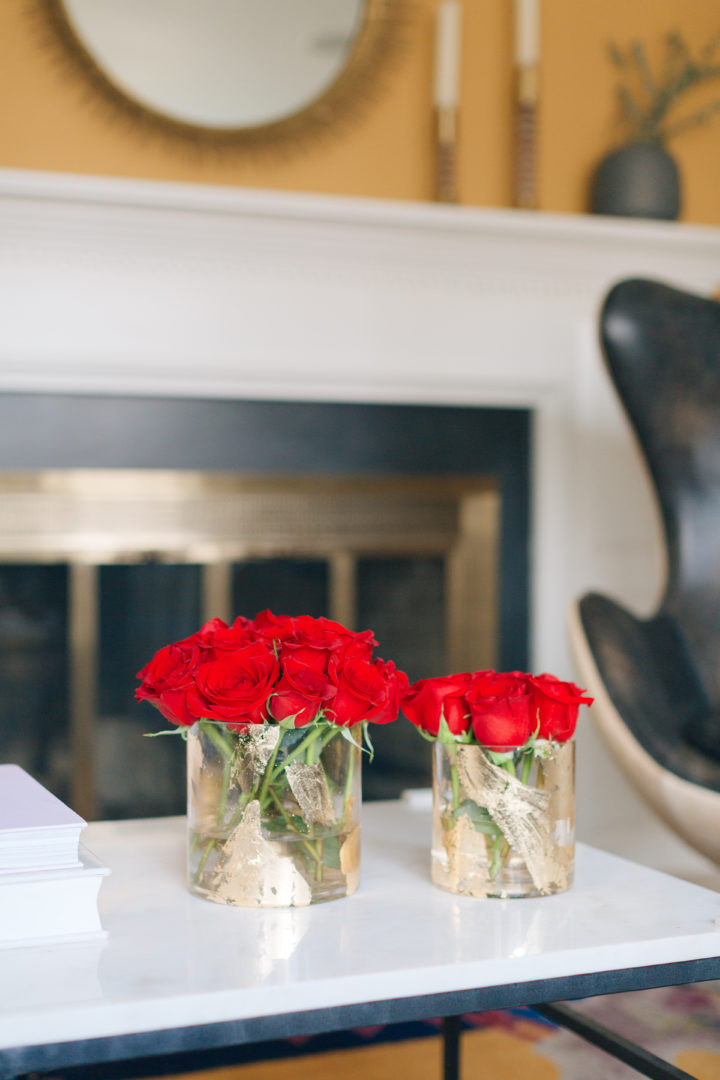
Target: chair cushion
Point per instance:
(652, 682)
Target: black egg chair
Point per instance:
(657, 680)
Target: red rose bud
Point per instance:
(235, 687)
(310, 644)
(428, 699)
(355, 639)
(365, 690)
(500, 707)
(396, 683)
(167, 679)
(301, 692)
(216, 637)
(272, 627)
(555, 706)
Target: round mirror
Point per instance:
(228, 70)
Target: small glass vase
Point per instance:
(504, 819)
(273, 814)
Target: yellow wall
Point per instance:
(49, 121)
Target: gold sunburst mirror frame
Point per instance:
(380, 33)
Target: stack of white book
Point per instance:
(49, 881)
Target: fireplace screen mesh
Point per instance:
(100, 568)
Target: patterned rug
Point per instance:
(679, 1024)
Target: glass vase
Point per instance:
(273, 814)
(504, 819)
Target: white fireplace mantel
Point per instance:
(142, 288)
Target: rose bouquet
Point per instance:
(503, 791)
(274, 710)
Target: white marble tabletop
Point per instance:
(173, 960)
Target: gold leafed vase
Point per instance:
(504, 819)
(273, 813)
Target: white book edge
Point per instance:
(26, 804)
(52, 906)
(53, 939)
(88, 864)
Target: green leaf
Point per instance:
(347, 734)
(293, 823)
(501, 757)
(496, 857)
(299, 824)
(274, 825)
(220, 737)
(478, 815)
(367, 740)
(331, 852)
(288, 724)
(182, 732)
(444, 734)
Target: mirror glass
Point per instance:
(222, 64)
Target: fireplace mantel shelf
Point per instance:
(430, 217)
(138, 287)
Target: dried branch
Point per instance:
(645, 100)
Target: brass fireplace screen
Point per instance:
(90, 518)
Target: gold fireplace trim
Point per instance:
(89, 518)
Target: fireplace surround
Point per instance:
(393, 531)
(131, 289)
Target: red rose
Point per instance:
(216, 636)
(301, 692)
(168, 678)
(429, 699)
(357, 640)
(555, 705)
(396, 683)
(272, 627)
(236, 685)
(365, 690)
(207, 633)
(311, 644)
(500, 708)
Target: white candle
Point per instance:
(448, 25)
(527, 32)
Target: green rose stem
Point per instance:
(334, 730)
(301, 749)
(271, 773)
(224, 748)
(348, 786)
(307, 844)
(309, 750)
(203, 859)
(223, 745)
(268, 776)
(454, 777)
(500, 848)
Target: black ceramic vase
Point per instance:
(638, 180)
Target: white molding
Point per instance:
(156, 288)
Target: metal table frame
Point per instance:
(183, 1046)
(209, 1045)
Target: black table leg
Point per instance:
(451, 1047)
(630, 1053)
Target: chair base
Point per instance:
(692, 811)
